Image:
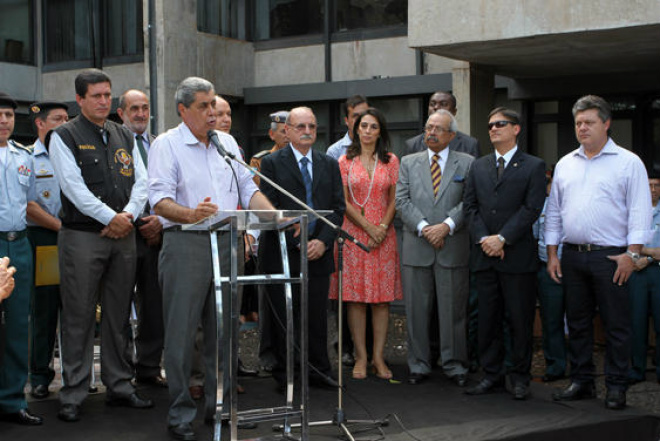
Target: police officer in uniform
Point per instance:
(43, 225)
(17, 183)
(277, 135)
(103, 184)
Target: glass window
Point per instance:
(357, 14)
(286, 18)
(222, 17)
(16, 32)
(68, 30)
(122, 28)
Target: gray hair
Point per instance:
(186, 90)
(593, 102)
(453, 125)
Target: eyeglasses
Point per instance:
(302, 127)
(429, 128)
(500, 124)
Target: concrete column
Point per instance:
(474, 88)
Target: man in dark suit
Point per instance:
(134, 112)
(504, 197)
(435, 252)
(315, 178)
(461, 142)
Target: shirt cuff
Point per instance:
(420, 227)
(452, 225)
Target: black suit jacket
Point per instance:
(461, 143)
(327, 194)
(508, 207)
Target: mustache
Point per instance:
(305, 137)
(432, 138)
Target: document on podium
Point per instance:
(47, 266)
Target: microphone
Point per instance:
(213, 137)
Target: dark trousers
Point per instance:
(587, 279)
(149, 309)
(644, 288)
(552, 309)
(91, 266)
(14, 367)
(317, 312)
(512, 297)
(45, 309)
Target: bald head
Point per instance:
(134, 110)
(223, 114)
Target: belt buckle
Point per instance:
(11, 236)
(584, 247)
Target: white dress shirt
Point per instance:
(442, 162)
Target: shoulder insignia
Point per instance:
(22, 147)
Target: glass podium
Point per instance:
(234, 222)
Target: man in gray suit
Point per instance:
(435, 249)
(461, 142)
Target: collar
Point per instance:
(444, 153)
(346, 140)
(507, 156)
(608, 149)
(299, 155)
(188, 137)
(144, 135)
(39, 148)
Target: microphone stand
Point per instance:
(339, 418)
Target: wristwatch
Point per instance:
(649, 259)
(633, 256)
(501, 238)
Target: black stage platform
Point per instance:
(435, 410)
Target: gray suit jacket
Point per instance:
(415, 202)
(461, 143)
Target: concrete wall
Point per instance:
(22, 82)
(478, 20)
(298, 65)
(361, 60)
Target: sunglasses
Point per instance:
(500, 124)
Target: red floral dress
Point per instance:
(373, 277)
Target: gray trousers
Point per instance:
(91, 264)
(186, 278)
(450, 287)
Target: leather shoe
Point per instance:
(575, 391)
(520, 391)
(485, 386)
(154, 380)
(460, 380)
(196, 392)
(415, 378)
(615, 399)
(183, 432)
(22, 417)
(40, 391)
(69, 413)
(133, 401)
(548, 378)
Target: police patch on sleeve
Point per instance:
(126, 160)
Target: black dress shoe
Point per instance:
(520, 391)
(133, 401)
(615, 399)
(22, 417)
(183, 432)
(154, 380)
(460, 380)
(485, 386)
(548, 378)
(575, 391)
(40, 391)
(416, 378)
(69, 413)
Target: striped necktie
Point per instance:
(436, 174)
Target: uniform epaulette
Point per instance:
(261, 154)
(21, 146)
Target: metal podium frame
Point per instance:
(233, 221)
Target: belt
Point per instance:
(11, 236)
(587, 247)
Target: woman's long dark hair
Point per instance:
(383, 142)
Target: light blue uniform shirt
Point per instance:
(655, 227)
(47, 188)
(539, 233)
(16, 187)
(338, 149)
(185, 170)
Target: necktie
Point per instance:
(500, 167)
(436, 174)
(307, 180)
(143, 152)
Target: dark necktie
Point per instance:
(143, 152)
(307, 180)
(500, 167)
(436, 174)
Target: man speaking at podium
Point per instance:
(189, 181)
